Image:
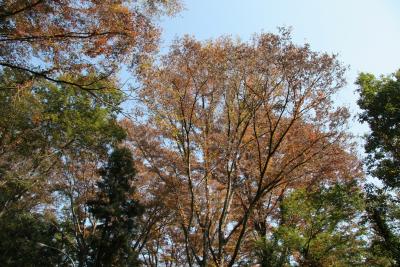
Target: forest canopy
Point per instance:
(234, 153)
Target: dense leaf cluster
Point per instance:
(380, 102)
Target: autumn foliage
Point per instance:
(234, 153)
(226, 128)
(46, 38)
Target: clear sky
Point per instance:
(365, 33)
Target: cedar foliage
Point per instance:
(116, 211)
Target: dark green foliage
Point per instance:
(42, 125)
(117, 211)
(21, 234)
(384, 213)
(272, 252)
(380, 102)
(318, 227)
(47, 133)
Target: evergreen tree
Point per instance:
(117, 211)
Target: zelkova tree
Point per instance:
(47, 37)
(227, 127)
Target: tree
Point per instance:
(380, 103)
(53, 140)
(43, 128)
(117, 212)
(60, 98)
(47, 38)
(319, 226)
(227, 125)
(20, 235)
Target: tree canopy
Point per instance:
(228, 126)
(380, 103)
(47, 38)
(234, 155)
(318, 226)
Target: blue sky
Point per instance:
(365, 33)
